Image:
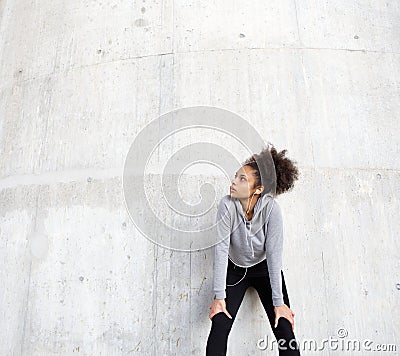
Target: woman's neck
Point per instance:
(250, 208)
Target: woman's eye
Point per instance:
(242, 178)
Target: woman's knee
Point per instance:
(284, 329)
(287, 343)
(222, 321)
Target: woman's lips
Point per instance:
(233, 190)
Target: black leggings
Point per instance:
(257, 277)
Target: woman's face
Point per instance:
(243, 183)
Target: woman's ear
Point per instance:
(259, 191)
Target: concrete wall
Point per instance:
(79, 80)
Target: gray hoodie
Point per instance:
(248, 242)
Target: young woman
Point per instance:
(250, 231)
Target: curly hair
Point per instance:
(285, 169)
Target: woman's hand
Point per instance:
(286, 312)
(218, 306)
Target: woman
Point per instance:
(250, 231)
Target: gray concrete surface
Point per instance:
(79, 79)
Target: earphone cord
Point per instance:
(247, 211)
(248, 205)
(231, 285)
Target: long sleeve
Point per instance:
(274, 250)
(221, 250)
